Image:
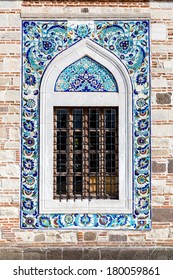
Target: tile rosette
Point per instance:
(129, 41)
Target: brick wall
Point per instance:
(161, 235)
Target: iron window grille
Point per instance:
(86, 153)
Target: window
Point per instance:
(85, 95)
(57, 74)
(86, 153)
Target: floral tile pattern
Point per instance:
(86, 75)
(128, 40)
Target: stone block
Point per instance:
(168, 190)
(170, 166)
(91, 254)
(158, 200)
(163, 98)
(39, 237)
(72, 254)
(10, 95)
(9, 35)
(171, 200)
(136, 238)
(9, 198)
(161, 254)
(16, 81)
(11, 254)
(117, 237)
(158, 167)
(11, 64)
(12, 145)
(162, 215)
(161, 14)
(8, 5)
(26, 236)
(14, 133)
(4, 81)
(34, 254)
(160, 153)
(54, 254)
(7, 156)
(14, 20)
(160, 233)
(14, 109)
(10, 20)
(9, 212)
(9, 170)
(3, 132)
(159, 83)
(133, 254)
(168, 64)
(159, 142)
(162, 130)
(159, 32)
(10, 184)
(10, 49)
(69, 236)
(12, 118)
(162, 115)
(89, 236)
(109, 254)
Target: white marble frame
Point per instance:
(49, 98)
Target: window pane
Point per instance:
(94, 140)
(61, 118)
(93, 184)
(77, 118)
(111, 186)
(77, 184)
(61, 140)
(61, 162)
(94, 163)
(61, 185)
(110, 118)
(77, 141)
(77, 163)
(110, 140)
(94, 118)
(110, 162)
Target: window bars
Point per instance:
(86, 153)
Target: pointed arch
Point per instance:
(49, 98)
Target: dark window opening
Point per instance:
(86, 153)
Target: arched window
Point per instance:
(86, 97)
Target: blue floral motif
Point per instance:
(85, 219)
(141, 79)
(103, 220)
(141, 179)
(86, 75)
(122, 220)
(143, 124)
(68, 219)
(47, 45)
(143, 163)
(28, 204)
(28, 164)
(30, 80)
(124, 44)
(28, 125)
(30, 180)
(129, 41)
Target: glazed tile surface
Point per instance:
(42, 41)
